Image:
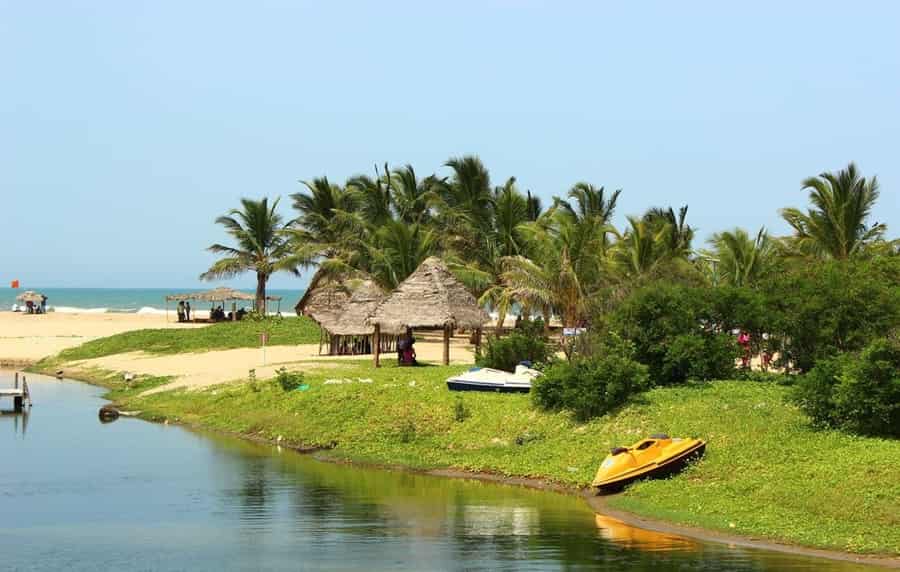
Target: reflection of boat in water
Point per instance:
(657, 456)
(632, 537)
(487, 379)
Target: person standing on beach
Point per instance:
(180, 310)
(187, 311)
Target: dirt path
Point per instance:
(199, 370)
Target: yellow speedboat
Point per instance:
(656, 456)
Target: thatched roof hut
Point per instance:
(430, 298)
(325, 299)
(352, 320)
(30, 296)
(219, 294)
(344, 328)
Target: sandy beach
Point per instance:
(198, 370)
(26, 338)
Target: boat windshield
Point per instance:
(644, 445)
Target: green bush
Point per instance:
(460, 410)
(289, 380)
(591, 386)
(522, 344)
(857, 393)
(700, 356)
(825, 308)
(651, 318)
(682, 332)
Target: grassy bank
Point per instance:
(220, 336)
(766, 472)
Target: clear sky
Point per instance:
(127, 127)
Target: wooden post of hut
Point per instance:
(477, 342)
(376, 350)
(446, 344)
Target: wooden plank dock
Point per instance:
(19, 393)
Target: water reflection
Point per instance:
(640, 539)
(20, 421)
(134, 495)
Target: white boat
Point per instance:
(487, 379)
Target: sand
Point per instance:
(26, 338)
(200, 370)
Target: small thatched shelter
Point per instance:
(349, 333)
(30, 296)
(430, 298)
(219, 294)
(324, 300)
(33, 302)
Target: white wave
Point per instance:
(152, 311)
(76, 310)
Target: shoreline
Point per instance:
(596, 503)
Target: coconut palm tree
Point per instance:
(395, 250)
(319, 224)
(533, 206)
(262, 246)
(411, 196)
(640, 249)
(836, 226)
(740, 260)
(672, 229)
(591, 201)
(563, 268)
(372, 197)
(463, 205)
(482, 268)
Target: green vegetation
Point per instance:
(820, 310)
(220, 336)
(766, 472)
(591, 385)
(526, 343)
(679, 332)
(859, 393)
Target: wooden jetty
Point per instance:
(19, 393)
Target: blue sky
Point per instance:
(127, 127)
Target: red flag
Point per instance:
(14, 284)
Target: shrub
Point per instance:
(407, 432)
(826, 308)
(460, 410)
(522, 344)
(289, 380)
(591, 386)
(651, 318)
(857, 393)
(700, 356)
(682, 332)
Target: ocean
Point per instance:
(126, 300)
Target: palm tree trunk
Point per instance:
(261, 280)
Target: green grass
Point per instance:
(766, 473)
(220, 336)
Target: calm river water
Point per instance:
(76, 494)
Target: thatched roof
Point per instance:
(352, 320)
(30, 296)
(431, 297)
(324, 299)
(220, 294)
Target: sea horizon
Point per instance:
(125, 300)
